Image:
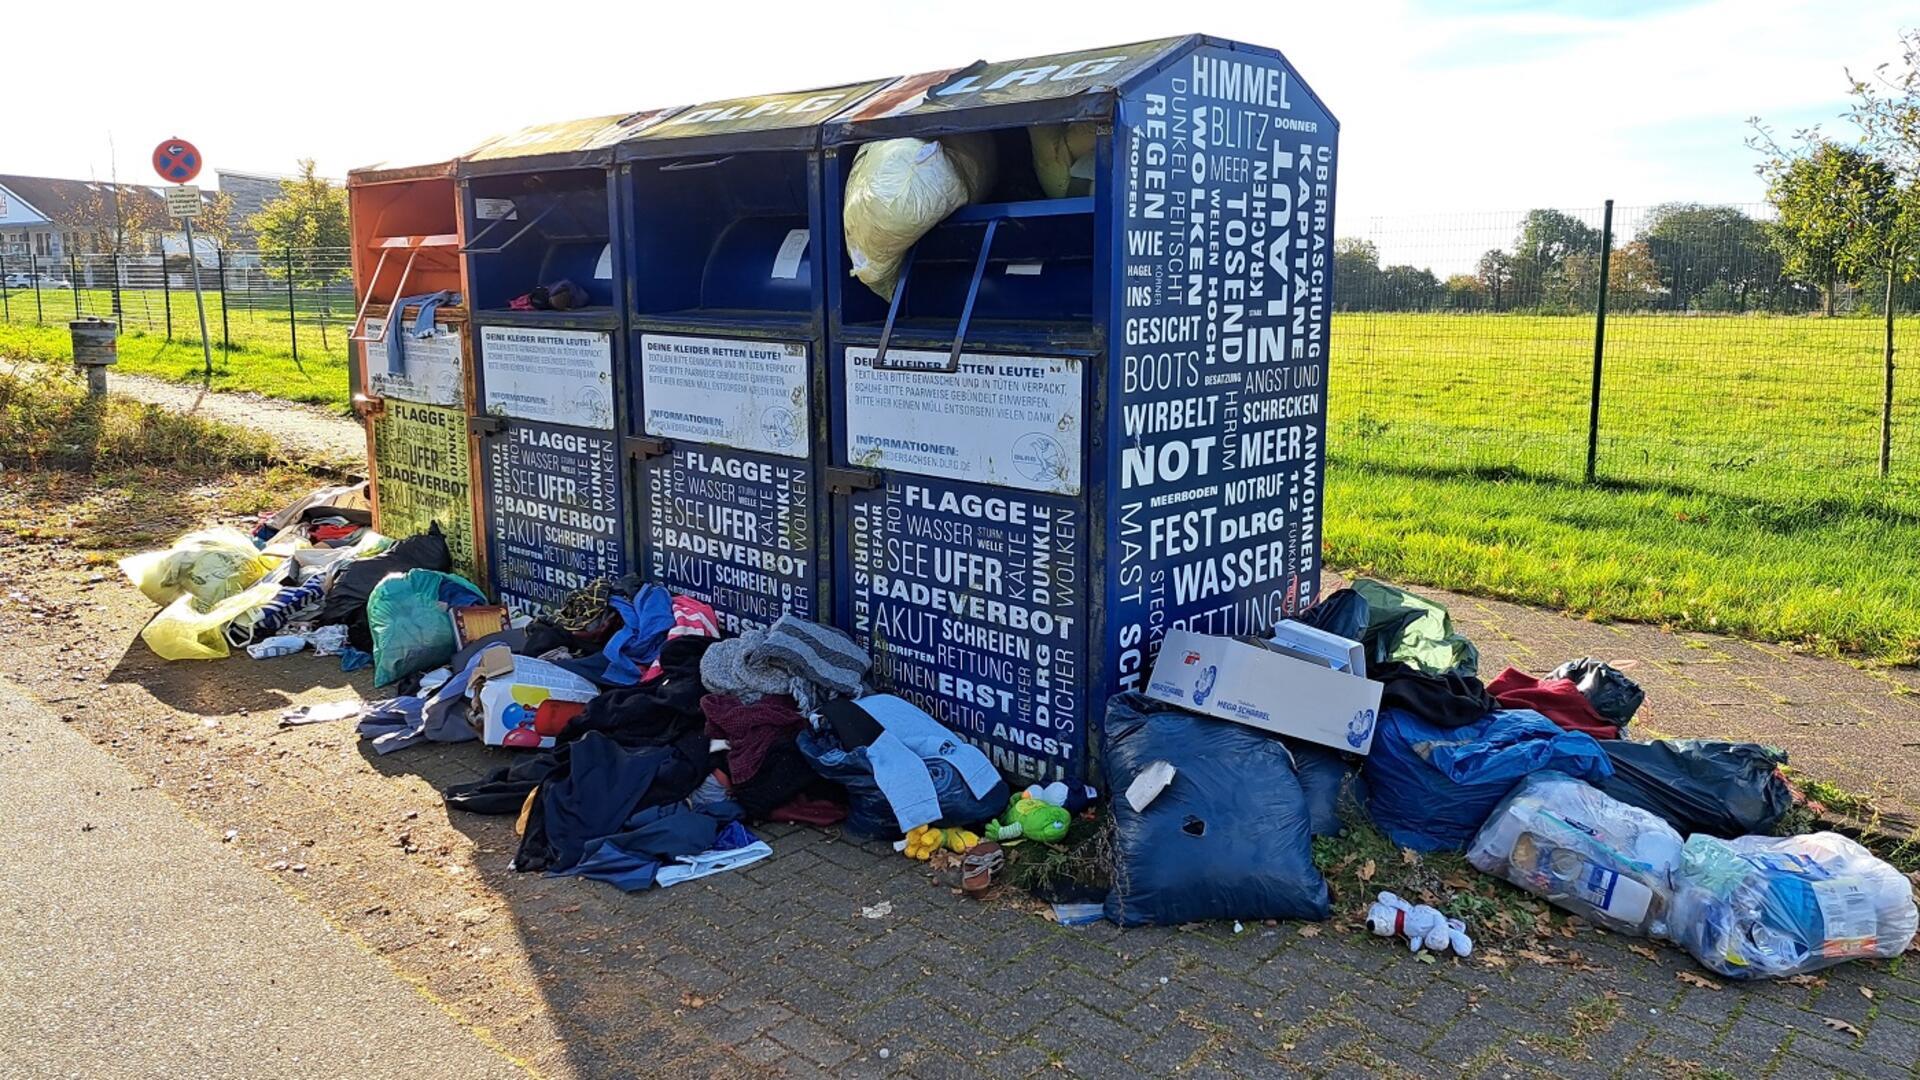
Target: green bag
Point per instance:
(411, 618)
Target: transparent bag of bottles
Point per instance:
(1763, 907)
(1571, 844)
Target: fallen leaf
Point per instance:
(568, 910)
(1366, 871)
(1409, 857)
(1804, 980)
(1492, 958)
(1693, 978)
(1841, 1025)
(1867, 992)
(1535, 956)
(1309, 929)
(692, 1000)
(1645, 952)
(1426, 957)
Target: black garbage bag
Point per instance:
(1607, 689)
(1229, 838)
(1720, 788)
(346, 599)
(1344, 614)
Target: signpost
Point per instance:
(178, 162)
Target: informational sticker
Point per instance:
(430, 368)
(553, 512)
(1007, 420)
(972, 600)
(751, 395)
(1850, 914)
(786, 261)
(1217, 409)
(735, 531)
(495, 210)
(423, 473)
(559, 376)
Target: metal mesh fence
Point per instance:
(1470, 342)
(291, 302)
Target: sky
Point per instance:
(1456, 115)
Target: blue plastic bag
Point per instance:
(1228, 838)
(1430, 788)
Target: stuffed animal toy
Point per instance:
(1423, 926)
(923, 841)
(1028, 818)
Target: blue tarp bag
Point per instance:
(1228, 838)
(1430, 788)
(1323, 773)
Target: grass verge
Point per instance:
(1835, 573)
(259, 363)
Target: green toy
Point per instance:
(1027, 818)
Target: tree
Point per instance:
(1496, 277)
(1633, 278)
(305, 227)
(1696, 247)
(1464, 292)
(1356, 274)
(1810, 190)
(1547, 241)
(1869, 206)
(1407, 288)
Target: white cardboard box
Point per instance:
(1308, 643)
(1272, 691)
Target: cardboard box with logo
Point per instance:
(1309, 686)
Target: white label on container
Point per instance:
(786, 263)
(730, 392)
(1024, 269)
(495, 210)
(560, 376)
(1852, 918)
(1007, 420)
(750, 395)
(429, 367)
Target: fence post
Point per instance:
(1886, 398)
(226, 337)
(6, 294)
(293, 324)
(39, 306)
(119, 315)
(73, 282)
(166, 290)
(1599, 341)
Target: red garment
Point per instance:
(750, 729)
(1559, 700)
(801, 810)
(553, 715)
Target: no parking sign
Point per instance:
(176, 160)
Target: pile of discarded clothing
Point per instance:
(1372, 692)
(653, 740)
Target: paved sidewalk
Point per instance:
(138, 947)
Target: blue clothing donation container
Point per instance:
(545, 276)
(1081, 421)
(726, 351)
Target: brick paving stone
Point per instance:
(1844, 1060)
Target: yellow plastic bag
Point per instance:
(898, 189)
(209, 566)
(187, 630)
(1063, 157)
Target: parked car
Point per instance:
(21, 279)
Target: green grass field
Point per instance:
(1738, 464)
(260, 358)
(1738, 461)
